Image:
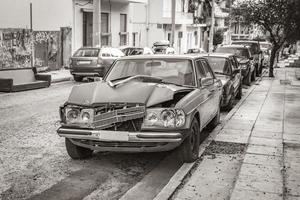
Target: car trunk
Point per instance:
(84, 63)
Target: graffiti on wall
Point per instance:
(46, 45)
(15, 48)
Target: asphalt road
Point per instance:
(34, 163)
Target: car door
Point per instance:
(205, 94)
(214, 89)
(237, 76)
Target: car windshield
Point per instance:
(239, 52)
(87, 53)
(179, 72)
(219, 65)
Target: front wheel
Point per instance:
(77, 152)
(189, 149)
(247, 79)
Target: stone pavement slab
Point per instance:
(291, 138)
(261, 171)
(260, 184)
(265, 150)
(233, 135)
(263, 160)
(238, 124)
(212, 179)
(266, 134)
(242, 194)
(266, 141)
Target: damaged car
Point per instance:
(144, 104)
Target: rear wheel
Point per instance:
(77, 152)
(77, 78)
(189, 149)
(230, 102)
(247, 79)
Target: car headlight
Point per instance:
(75, 115)
(166, 118)
(72, 115)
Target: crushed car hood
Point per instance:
(131, 92)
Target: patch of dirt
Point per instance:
(216, 147)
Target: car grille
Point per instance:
(110, 114)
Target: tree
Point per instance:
(279, 18)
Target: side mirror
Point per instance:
(236, 71)
(206, 81)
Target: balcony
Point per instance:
(180, 18)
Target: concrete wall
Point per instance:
(48, 15)
(116, 9)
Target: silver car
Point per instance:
(91, 62)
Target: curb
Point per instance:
(58, 80)
(177, 180)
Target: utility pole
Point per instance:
(31, 33)
(96, 23)
(173, 22)
(211, 31)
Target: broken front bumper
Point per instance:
(122, 141)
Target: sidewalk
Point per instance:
(59, 75)
(256, 155)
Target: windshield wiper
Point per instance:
(220, 73)
(117, 79)
(168, 83)
(129, 78)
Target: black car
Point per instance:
(227, 70)
(256, 53)
(244, 58)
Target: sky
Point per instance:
(47, 14)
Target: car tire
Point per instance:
(247, 79)
(77, 78)
(189, 150)
(215, 121)
(253, 75)
(240, 92)
(77, 152)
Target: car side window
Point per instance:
(199, 69)
(208, 72)
(227, 67)
(233, 63)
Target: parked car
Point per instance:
(195, 50)
(163, 47)
(266, 52)
(227, 69)
(244, 58)
(129, 51)
(255, 52)
(91, 62)
(164, 50)
(143, 104)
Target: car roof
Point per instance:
(162, 56)
(221, 55)
(235, 46)
(104, 47)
